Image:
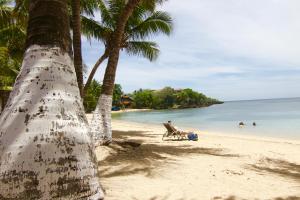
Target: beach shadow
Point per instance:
(236, 198)
(135, 157)
(162, 198)
(153, 198)
(227, 198)
(288, 198)
(279, 167)
(130, 134)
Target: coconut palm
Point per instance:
(77, 42)
(88, 8)
(145, 23)
(45, 149)
(126, 25)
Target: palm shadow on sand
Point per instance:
(138, 157)
(278, 167)
(237, 198)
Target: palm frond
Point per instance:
(11, 33)
(89, 7)
(104, 11)
(6, 13)
(151, 4)
(93, 29)
(115, 8)
(139, 14)
(158, 22)
(145, 49)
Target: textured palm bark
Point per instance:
(101, 121)
(46, 152)
(45, 149)
(77, 43)
(110, 72)
(94, 70)
(48, 24)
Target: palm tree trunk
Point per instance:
(77, 43)
(101, 123)
(45, 149)
(92, 74)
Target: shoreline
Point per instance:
(218, 133)
(139, 165)
(130, 110)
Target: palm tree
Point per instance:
(145, 23)
(77, 42)
(88, 7)
(44, 145)
(118, 39)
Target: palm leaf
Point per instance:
(158, 22)
(151, 4)
(89, 7)
(11, 33)
(146, 49)
(92, 29)
(106, 17)
(6, 13)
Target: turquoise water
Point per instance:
(274, 117)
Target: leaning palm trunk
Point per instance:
(94, 70)
(101, 121)
(45, 149)
(77, 43)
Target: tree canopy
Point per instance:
(170, 98)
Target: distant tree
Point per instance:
(165, 98)
(169, 98)
(143, 98)
(93, 92)
(91, 97)
(117, 94)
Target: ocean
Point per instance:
(273, 117)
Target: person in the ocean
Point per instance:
(254, 124)
(241, 124)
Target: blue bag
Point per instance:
(193, 136)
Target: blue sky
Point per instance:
(230, 50)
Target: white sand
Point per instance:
(215, 167)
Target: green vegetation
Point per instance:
(93, 92)
(12, 38)
(168, 97)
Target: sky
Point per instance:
(230, 50)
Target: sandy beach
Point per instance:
(138, 165)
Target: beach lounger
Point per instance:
(173, 132)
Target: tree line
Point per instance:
(166, 98)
